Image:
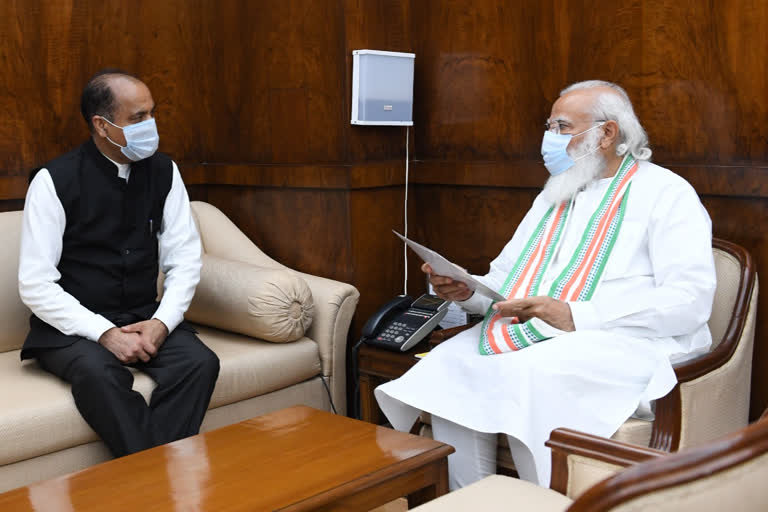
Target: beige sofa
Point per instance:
(41, 432)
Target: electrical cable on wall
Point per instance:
(405, 208)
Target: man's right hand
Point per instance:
(445, 287)
(128, 347)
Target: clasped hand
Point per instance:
(552, 311)
(135, 342)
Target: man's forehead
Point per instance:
(130, 94)
(573, 106)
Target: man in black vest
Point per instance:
(99, 223)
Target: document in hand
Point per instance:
(443, 267)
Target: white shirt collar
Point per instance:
(123, 170)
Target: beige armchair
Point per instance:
(730, 471)
(712, 394)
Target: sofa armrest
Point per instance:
(335, 303)
(580, 460)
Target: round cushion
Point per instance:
(269, 304)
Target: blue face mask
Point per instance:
(141, 139)
(554, 150)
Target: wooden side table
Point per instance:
(377, 366)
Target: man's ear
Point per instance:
(611, 131)
(99, 126)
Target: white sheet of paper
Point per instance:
(443, 267)
(455, 315)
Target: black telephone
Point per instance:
(402, 322)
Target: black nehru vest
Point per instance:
(109, 259)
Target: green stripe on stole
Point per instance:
(524, 335)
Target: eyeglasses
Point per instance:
(559, 126)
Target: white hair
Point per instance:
(617, 107)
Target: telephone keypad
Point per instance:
(397, 332)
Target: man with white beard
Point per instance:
(609, 279)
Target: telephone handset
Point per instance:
(402, 322)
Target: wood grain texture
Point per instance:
(486, 76)
(295, 459)
(302, 229)
(254, 103)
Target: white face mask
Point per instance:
(141, 139)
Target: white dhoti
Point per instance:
(589, 380)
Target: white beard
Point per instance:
(584, 171)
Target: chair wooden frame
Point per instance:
(666, 427)
(665, 434)
(651, 470)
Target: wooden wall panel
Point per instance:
(488, 73)
(254, 103)
(702, 97)
(301, 228)
(377, 255)
(234, 81)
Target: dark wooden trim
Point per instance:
(388, 173)
(565, 442)
(665, 430)
(13, 187)
(676, 469)
(707, 179)
(521, 173)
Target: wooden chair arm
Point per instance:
(682, 468)
(668, 422)
(565, 442)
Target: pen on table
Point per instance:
(150, 226)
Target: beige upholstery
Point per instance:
(266, 303)
(742, 487)
(634, 431)
(584, 472)
(498, 493)
(727, 473)
(718, 402)
(14, 314)
(41, 432)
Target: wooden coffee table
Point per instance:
(294, 459)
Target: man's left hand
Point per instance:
(555, 312)
(153, 330)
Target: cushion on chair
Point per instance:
(584, 472)
(634, 431)
(499, 493)
(265, 303)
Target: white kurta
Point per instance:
(650, 310)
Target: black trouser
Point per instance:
(184, 369)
